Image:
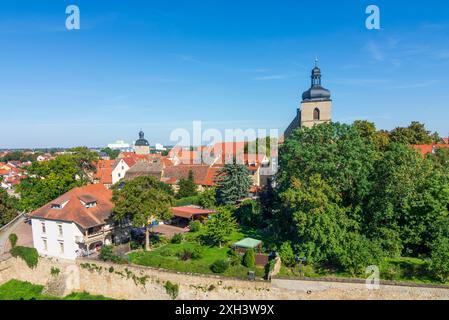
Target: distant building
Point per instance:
(316, 105)
(159, 147)
(142, 146)
(120, 145)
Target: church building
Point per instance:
(316, 105)
(142, 146)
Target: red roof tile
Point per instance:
(75, 211)
(189, 212)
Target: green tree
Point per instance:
(233, 183)
(249, 214)
(338, 153)
(248, 259)
(112, 154)
(316, 220)
(50, 179)
(358, 253)
(287, 255)
(142, 200)
(409, 195)
(187, 187)
(415, 133)
(207, 199)
(219, 228)
(7, 208)
(439, 261)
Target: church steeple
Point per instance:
(316, 91)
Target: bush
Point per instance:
(193, 200)
(13, 239)
(439, 261)
(197, 253)
(167, 252)
(219, 266)
(195, 226)
(55, 271)
(235, 258)
(248, 259)
(107, 254)
(177, 238)
(287, 255)
(29, 255)
(185, 254)
(172, 289)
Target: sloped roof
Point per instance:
(188, 211)
(75, 211)
(202, 174)
(248, 243)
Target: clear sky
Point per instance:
(159, 65)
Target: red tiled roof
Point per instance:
(104, 171)
(446, 140)
(189, 212)
(202, 174)
(428, 148)
(75, 211)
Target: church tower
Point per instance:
(316, 105)
(142, 146)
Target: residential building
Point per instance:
(76, 224)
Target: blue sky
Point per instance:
(159, 65)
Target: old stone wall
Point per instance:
(134, 282)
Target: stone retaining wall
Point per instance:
(135, 282)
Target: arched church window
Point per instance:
(316, 114)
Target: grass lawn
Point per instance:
(165, 257)
(20, 290)
(394, 269)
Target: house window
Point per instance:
(61, 247)
(60, 232)
(44, 230)
(123, 167)
(316, 114)
(44, 241)
(119, 175)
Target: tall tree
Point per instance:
(7, 208)
(187, 187)
(142, 200)
(233, 183)
(415, 133)
(219, 228)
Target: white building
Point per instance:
(76, 224)
(120, 145)
(120, 169)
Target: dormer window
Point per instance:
(55, 206)
(91, 204)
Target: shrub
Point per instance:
(185, 254)
(197, 252)
(219, 266)
(248, 259)
(107, 254)
(195, 226)
(235, 258)
(167, 252)
(439, 261)
(13, 239)
(287, 255)
(55, 271)
(29, 255)
(172, 289)
(177, 238)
